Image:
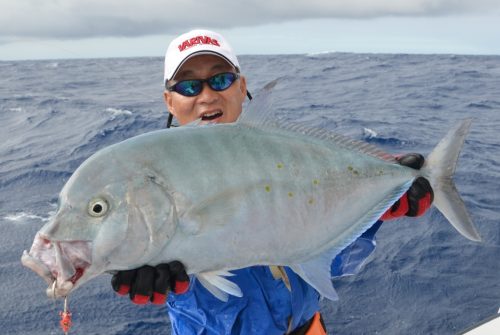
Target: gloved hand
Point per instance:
(151, 283)
(419, 196)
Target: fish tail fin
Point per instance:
(439, 168)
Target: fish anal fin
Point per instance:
(316, 272)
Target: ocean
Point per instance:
(424, 278)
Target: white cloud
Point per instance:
(114, 18)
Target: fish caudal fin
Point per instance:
(439, 168)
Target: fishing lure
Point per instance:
(65, 322)
(65, 315)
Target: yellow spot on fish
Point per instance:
(315, 182)
(290, 194)
(351, 169)
(267, 188)
(279, 165)
(310, 201)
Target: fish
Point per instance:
(259, 191)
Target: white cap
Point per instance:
(194, 43)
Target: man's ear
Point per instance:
(167, 97)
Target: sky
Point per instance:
(55, 29)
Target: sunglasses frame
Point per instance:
(172, 88)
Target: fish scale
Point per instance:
(277, 187)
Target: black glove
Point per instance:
(418, 199)
(151, 283)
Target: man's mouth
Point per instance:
(211, 116)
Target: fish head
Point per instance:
(109, 218)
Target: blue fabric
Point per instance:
(352, 258)
(266, 305)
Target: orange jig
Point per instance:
(65, 315)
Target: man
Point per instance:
(203, 81)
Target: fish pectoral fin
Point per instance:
(216, 283)
(317, 273)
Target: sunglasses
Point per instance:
(193, 87)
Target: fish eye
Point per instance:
(98, 207)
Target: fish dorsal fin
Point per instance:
(260, 114)
(216, 283)
(259, 110)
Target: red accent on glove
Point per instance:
(400, 211)
(124, 289)
(140, 299)
(159, 299)
(424, 204)
(181, 287)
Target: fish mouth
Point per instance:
(62, 264)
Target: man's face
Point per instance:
(211, 106)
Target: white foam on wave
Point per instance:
(117, 112)
(16, 109)
(369, 133)
(319, 53)
(52, 65)
(21, 217)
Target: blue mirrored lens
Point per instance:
(188, 87)
(221, 81)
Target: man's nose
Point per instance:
(208, 95)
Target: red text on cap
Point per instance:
(198, 40)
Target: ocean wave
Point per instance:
(359, 77)
(330, 68)
(116, 112)
(115, 130)
(371, 136)
(16, 109)
(52, 65)
(49, 102)
(22, 217)
(320, 53)
(485, 104)
(21, 97)
(469, 74)
(369, 133)
(33, 177)
(81, 84)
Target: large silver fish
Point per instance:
(229, 196)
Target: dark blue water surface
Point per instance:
(424, 277)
